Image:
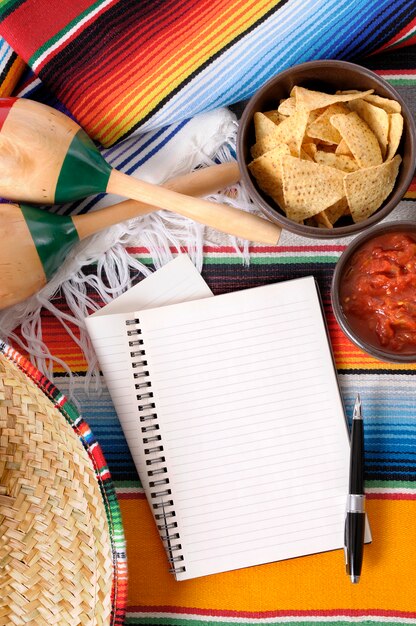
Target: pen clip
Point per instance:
(346, 555)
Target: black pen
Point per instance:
(355, 516)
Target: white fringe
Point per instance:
(158, 232)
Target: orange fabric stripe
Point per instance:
(13, 75)
(293, 584)
(125, 48)
(161, 86)
(174, 62)
(138, 101)
(60, 343)
(147, 54)
(348, 356)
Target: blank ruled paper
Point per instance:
(177, 281)
(252, 425)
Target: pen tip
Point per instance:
(357, 414)
(354, 579)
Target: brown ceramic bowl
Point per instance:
(355, 327)
(325, 76)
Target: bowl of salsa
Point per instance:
(374, 292)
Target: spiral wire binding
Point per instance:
(162, 502)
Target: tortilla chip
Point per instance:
(395, 134)
(268, 172)
(366, 189)
(342, 148)
(376, 118)
(340, 161)
(263, 126)
(313, 116)
(275, 116)
(346, 175)
(390, 106)
(359, 138)
(322, 128)
(310, 100)
(304, 155)
(309, 188)
(292, 130)
(287, 106)
(337, 210)
(265, 144)
(322, 220)
(310, 148)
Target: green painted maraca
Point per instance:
(46, 158)
(35, 242)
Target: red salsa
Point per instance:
(378, 292)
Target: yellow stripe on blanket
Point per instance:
(312, 583)
(9, 79)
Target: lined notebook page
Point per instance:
(177, 281)
(252, 425)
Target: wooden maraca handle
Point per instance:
(198, 183)
(205, 180)
(45, 157)
(220, 216)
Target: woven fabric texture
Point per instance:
(310, 589)
(305, 590)
(301, 591)
(11, 69)
(120, 65)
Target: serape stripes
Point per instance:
(120, 65)
(66, 51)
(301, 591)
(11, 68)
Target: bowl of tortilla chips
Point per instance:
(326, 148)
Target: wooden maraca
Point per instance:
(35, 242)
(46, 158)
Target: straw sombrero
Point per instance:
(62, 553)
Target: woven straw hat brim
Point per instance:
(56, 561)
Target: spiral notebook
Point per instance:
(232, 411)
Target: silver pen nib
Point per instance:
(354, 578)
(357, 414)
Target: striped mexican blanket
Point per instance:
(118, 65)
(300, 591)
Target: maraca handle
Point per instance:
(198, 183)
(205, 180)
(220, 216)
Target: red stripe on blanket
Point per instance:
(253, 249)
(263, 614)
(19, 24)
(395, 72)
(130, 496)
(391, 496)
(407, 29)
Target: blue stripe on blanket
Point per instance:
(334, 31)
(389, 408)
